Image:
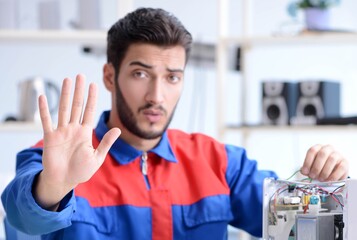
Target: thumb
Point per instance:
(107, 141)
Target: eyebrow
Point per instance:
(141, 64)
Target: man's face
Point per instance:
(148, 87)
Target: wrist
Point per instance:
(47, 194)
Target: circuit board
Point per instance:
(301, 210)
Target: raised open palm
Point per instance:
(68, 154)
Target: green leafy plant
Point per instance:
(293, 7)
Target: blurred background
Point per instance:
(250, 57)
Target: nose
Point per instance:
(155, 93)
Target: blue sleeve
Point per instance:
(246, 185)
(21, 209)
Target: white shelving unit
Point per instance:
(246, 132)
(303, 39)
(13, 133)
(81, 37)
(20, 127)
(53, 36)
(246, 41)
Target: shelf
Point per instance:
(201, 51)
(54, 36)
(317, 38)
(247, 43)
(294, 128)
(20, 127)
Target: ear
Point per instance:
(109, 77)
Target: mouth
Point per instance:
(153, 115)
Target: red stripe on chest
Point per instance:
(195, 176)
(115, 184)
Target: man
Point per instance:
(154, 183)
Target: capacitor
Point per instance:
(306, 199)
(314, 200)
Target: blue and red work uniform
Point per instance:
(188, 187)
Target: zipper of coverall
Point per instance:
(144, 168)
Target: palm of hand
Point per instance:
(68, 154)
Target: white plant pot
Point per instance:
(317, 19)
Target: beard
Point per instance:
(127, 117)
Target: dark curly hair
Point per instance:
(145, 25)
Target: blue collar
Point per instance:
(124, 153)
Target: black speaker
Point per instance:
(279, 102)
(318, 99)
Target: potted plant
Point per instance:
(317, 14)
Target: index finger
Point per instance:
(309, 159)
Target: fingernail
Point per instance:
(313, 176)
(304, 171)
